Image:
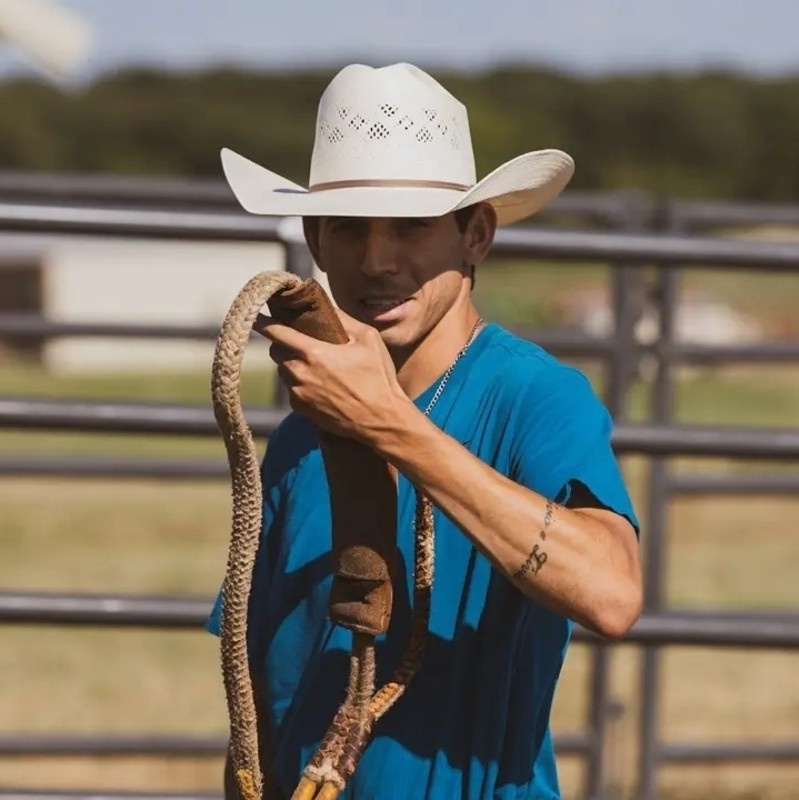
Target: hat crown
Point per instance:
(395, 123)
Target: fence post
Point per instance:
(666, 297)
(628, 305)
(621, 366)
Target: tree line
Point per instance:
(707, 134)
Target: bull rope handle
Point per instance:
(342, 746)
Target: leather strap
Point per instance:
(363, 489)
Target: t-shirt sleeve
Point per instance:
(563, 444)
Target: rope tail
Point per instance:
(246, 523)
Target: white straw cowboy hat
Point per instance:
(392, 142)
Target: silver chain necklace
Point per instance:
(445, 377)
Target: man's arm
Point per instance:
(580, 563)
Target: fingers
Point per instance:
(346, 320)
(270, 329)
(283, 334)
(280, 354)
(259, 326)
(352, 326)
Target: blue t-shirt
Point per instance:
(474, 723)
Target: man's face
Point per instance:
(400, 276)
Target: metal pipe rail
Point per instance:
(52, 187)
(102, 794)
(562, 341)
(199, 469)
(148, 745)
(116, 417)
(36, 326)
(49, 187)
(147, 223)
(697, 483)
(54, 466)
(713, 628)
(751, 752)
(136, 611)
(628, 248)
(71, 745)
(213, 193)
(703, 214)
(87, 416)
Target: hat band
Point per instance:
(396, 184)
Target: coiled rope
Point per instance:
(342, 746)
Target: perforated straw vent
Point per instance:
(378, 131)
(387, 120)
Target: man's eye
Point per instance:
(412, 223)
(347, 225)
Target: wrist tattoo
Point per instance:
(549, 515)
(537, 558)
(532, 563)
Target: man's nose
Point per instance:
(379, 254)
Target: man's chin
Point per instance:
(395, 333)
(396, 336)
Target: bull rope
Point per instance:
(340, 751)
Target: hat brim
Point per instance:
(517, 189)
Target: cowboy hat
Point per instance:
(393, 142)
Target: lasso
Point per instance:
(363, 496)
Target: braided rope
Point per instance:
(337, 757)
(246, 523)
(424, 540)
(342, 748)
(343, 745)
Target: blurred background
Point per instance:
(669, 272)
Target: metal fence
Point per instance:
(645, 267)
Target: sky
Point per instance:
(583, 36)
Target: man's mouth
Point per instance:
(382, 304)
(384, 309)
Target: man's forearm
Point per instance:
(582, 564)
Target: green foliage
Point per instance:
(711, 134)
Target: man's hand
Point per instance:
(348, 389)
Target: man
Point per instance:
(534, 527)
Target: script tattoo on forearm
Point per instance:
(537, 558)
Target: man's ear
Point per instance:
(480, 232)
(310, 227)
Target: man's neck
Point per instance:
(417, 369)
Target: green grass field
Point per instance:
(162, 537)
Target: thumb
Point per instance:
(350, 324)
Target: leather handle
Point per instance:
(307, 308)
(363, 489)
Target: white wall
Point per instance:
(147, 282)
